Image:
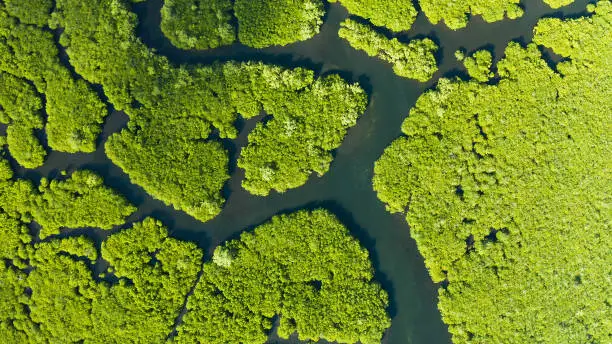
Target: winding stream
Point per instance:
(346, 188)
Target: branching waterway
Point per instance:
(346, 189)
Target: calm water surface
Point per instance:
(346, 188)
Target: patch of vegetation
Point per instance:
(80, 201)
(296, 266)
(277, 22)
(478, 65)
(415, 60)
(172, 160)
(75, 113)
(66, 303)
(20, 109)
(393, 14)
(195, 24)
(156, 94)
(298, 140)
(36, 12)
(304, 268)
(558, 3)
(506, 189)
(456, 13)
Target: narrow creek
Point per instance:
(346, 188)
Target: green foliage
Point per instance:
(460, 55)
(6, 172)
(506, 189)
(160, 270)
(67, 304)
(303, 267)
(455, 13)
(415, 60)
(479, 64)
(195, 24)
(298, 140)
(75, 113)
(277, 22)
(80, 201)
(25, 146)
(171, 160)
(396, 15)
(20, 108)
(35, 12)
(154, 92)
(558, 3)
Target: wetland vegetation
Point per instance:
(504, 186)
(500, 171)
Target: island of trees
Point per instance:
(194, 24)
(503, 178)
(173, 111)
(414, 60)
(303, 267)
(506, 189)
(478, 65)
(29, 52)
(395, 15)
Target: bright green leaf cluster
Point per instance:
(75, 113)
(456, 13)
(479, 65)
(558, 3)
(506, 189)
(277, 22)
(304, 268)
(155, 274)
(159, 97)
(415, 60)
(396, 15)
(20, 109)
(195, 24)
(36, 12)
(174, 163)
(152, 274)
(306, 126)
(80, 201)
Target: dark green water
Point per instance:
(346, 188)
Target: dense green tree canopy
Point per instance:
(171, 160)
(153, 274)
(277, 22)
(396, 15)
(456, 13)
(415, 60)
(298, 140)
(35, 12)
(304, 268)
(506, 189)
(558, 3)
(295, 265)
(75, 113)
(20, 108)
(79, 201)
(478, 65)
(196, 24)
(163, 101)
(191, 24)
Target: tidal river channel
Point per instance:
(346, 189)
